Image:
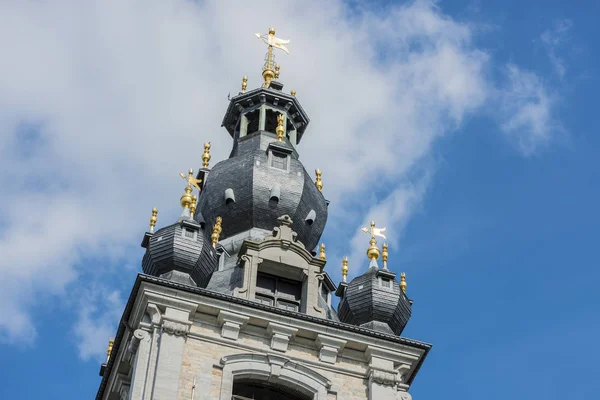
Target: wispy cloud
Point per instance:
(528, 110)
(553, 39)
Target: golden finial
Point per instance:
(384, 254)
(403, 282)
(318, 181)
(277, 72)
(111, 342)
(322, 252)
(373, 250)
(244, 84)
(280, 130)
(344, 268)
(206, 155)
(216, 232)
(186, 198)
(153, 219)
(270, 68)
(193, 206)
(293, 93)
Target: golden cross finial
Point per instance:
(216, 232)
(186, 197)
(384, 254)
(344, 268)
(206, 156)
(244, 84)
(322, 252)
(403, 282)
(280, 129)
(111, 342)
(270, 69)
(318, 181)
(153, 219)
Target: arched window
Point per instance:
(269, 377)
(247, 389)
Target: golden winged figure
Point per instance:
(191, 181)
(374, 231)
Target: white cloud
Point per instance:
(553, 39)
(528, 108)
(122, 94)
(99, 313)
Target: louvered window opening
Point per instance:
(279, 292)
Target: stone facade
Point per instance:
(192, 345)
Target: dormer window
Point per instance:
(278, 292)
(386, 283)
(279, 160)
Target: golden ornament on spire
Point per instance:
(153, 219)
(384, 254)
(373, 250)
(216, 232)
(322, 252)
(293, 93)
(318, 181)
(206, 156)
(280, 130)
(403, 282)
(186, 198)
(270, 68)
(193, 206)
(244, 84)
(344, 268)
(111, 342)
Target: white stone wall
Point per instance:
(192, 347)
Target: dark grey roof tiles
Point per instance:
(179, 247)
(370, 304)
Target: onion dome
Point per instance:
(263, 178)
(174, 252)
(375, 299)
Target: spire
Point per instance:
(216, 232)
(206, 155)
(193, 206)
(280, 130)
(270, 68)
(384, 255)
(403, 282)
(322, 255)
(344, 268)
(153, 219)
(318, 181)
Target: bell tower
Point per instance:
(235, 301)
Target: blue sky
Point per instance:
(474, 124)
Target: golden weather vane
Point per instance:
(191, 181)
(373, 251)
(271, 69)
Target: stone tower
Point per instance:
(234, 301)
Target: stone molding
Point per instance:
(383, 377)
(280, 336)
(329, 348)
(231, 324)
(275, 369)
(176, 328)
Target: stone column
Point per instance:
(140, 364)
(383, 379)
